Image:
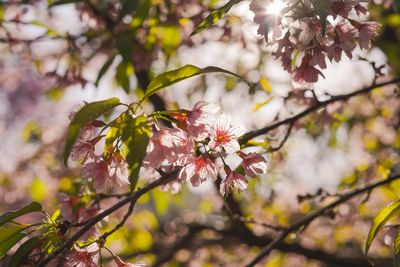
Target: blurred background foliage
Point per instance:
(56, 54)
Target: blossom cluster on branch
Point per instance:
(197, 145)
(305, 33)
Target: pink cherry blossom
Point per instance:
(118, 171)
(121, 263)
(254, 164)
(84, 149)
(97, 170)
(224, 136)
(165, 146)
(106, 173)
(197, 169)
(67, 207)
(233, 180)
(83, 257)
(306, 72)
(367, 32)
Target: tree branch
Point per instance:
(304, 222)
(250, 135)
(92, 222)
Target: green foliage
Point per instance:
(32, 132)
(62, 2)
(10, 234)
(84, 116)
(171, 77)
(122, 75)
(104, 69)
(23, 252)
(380, 220)
(396, 5)
(11, 215)
(214, 16)
(135, 135)
(396, 250)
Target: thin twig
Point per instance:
(316, 106)
(304, 222)
(92, 222)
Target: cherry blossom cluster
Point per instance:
(198, 145)
(106, 170)
(89, 257)
(313, 31)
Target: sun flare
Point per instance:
(276, 7)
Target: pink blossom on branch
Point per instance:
(83, 257)
(306, 32)
(254, 164)
(121, 263)
(197, 169)
(233, 180)
(224, 136)
(106, 172)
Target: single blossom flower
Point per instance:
(83, 257)
(118, 171)
(106, 172)
(254, 164)
(224, 136)
(197, 169)
(84, 149)
(97, 170)
(367, 32)
(196, 121)
(166, 145)
(121, 263)
(233, 180)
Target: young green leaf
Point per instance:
(104, 69)
(23, 252)
(214, 16)
(135, 135)
(396, 250)
(122, 76)
(170, 77)
(8, 216)
(84, 116)
(380, 220)
(10, 234)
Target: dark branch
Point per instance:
(304, 222)
(92, 222)
(315, 107)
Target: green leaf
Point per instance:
(396, 5)
(8, 216)
(10, 234)
(124, 45)
(63, 2)
(128, 7)
(122, 76)
(170, 77)
(322, 8)
(396, 249)
(84, 116)
(104, 69)
(23, 252)
(214, 16)
(380, 220)
(135, 135)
